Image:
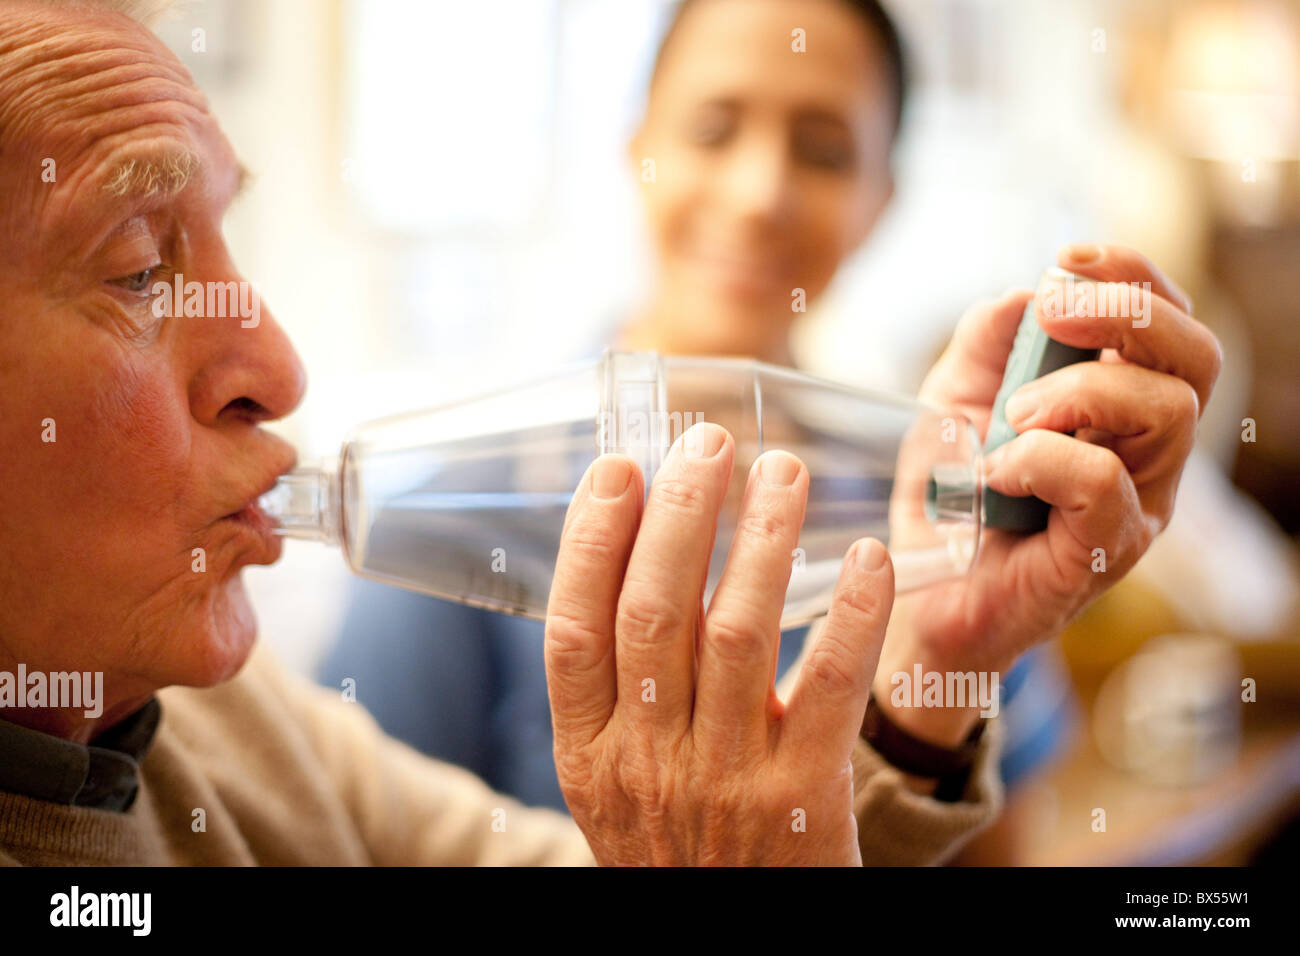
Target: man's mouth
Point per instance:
(253, 516)
(253, 521)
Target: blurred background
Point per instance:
(444, 203)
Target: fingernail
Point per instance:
(1052, 279)
(779, 468)
(1083, 252)
(610, 477)
(1055, 293)
(871, 555)
(703, 440)
(1021, 405)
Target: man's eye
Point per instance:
(137, 282)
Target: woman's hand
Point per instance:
(670, 742)
(1111, 487)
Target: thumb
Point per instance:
(970, 370)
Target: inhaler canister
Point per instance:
(1033, 355)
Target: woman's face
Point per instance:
(769, 165)
(130, 440)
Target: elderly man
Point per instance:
(132, 455)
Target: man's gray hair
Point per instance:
(148, 12)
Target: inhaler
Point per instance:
(467, 501)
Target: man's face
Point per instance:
(118, 551)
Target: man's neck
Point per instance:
(28, 704)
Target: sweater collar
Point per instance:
(104, 774)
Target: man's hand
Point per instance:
(670, 742)
(1111, 487)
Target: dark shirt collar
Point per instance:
(104, 774)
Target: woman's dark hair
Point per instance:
(878, 22)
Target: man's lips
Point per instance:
(253, 516)
(254, 522)
(251, 519)
(253, 493)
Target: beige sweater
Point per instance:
(286, 772)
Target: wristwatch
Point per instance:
(950, 766)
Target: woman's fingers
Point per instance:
(1087, 484)
(1112, 263)
(825, 710)
(1152, 416)
(658, 612)
(742, 628)
(579, 646)
(1142, 326)
(970, 371)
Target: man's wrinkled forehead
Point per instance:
(65, 69)
(79, 86)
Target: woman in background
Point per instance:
(763, 158)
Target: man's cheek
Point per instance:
(140, 423)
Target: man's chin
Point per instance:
(221, 644)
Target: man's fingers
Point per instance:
(825, 710)
(658, 611)
(1152, 415)
(742, 628)
(579, 646)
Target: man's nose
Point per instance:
(247, 366)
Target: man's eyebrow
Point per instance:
(152, 175)
(142, 179)
(161, 174)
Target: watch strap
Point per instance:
(913, 755)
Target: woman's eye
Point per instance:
(827, 154)
(822, 142)
(137, 282)
(710, 127)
